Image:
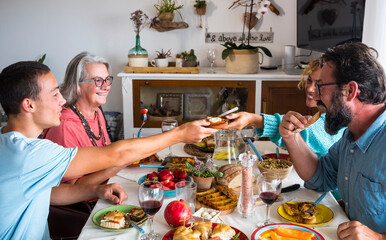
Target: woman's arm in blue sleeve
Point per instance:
(315, 136)
(271, 128)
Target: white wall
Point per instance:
(374, 32)
(62, 29)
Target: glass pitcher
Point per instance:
(225, 146)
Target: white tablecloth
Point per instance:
(128, 178)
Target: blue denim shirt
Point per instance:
(358, 169)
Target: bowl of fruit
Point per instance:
(167, 178)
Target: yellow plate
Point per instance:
(322, 213)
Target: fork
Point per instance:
(134, 225)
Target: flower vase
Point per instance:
(137, 55)
(203, 183)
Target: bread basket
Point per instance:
(283, 172)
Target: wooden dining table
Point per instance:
(129, 176)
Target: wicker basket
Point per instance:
(283, 172)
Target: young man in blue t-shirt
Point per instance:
(30, 167)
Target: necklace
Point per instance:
(88, 129)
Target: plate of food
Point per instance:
(118, 217)
(173, 163)
(280, 230)
(303, 213)
(206, 144)
(205, 230)
(146, 160)
(168, 179)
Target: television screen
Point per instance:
(322, 24)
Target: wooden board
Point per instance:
(192, 150)
(170, 69)
(199, 205)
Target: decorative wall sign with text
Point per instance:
(222, 37)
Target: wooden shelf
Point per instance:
(170, 69)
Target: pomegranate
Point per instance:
(177, 213)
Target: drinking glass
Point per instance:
(187, 190)
(246, 133)
(167, 125)
(212, 55)
(268, 188)
(150, 197)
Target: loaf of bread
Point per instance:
(232, 176)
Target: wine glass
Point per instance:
(268, 188)
(167, 125)
(150, 197)
(212, 55)
(246, 133)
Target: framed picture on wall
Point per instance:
(170, 101)
(196, 105)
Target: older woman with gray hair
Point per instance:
(86, 85)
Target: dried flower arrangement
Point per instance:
(140, 20)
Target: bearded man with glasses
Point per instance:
(352, 92)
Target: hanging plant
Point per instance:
(200, 6)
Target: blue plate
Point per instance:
(259, 231)
(167, 193)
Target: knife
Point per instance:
(320, 199)
(290, 188)
(228, 112)
(134, 225)
(153, 166)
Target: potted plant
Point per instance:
(244, 58)
(200, 6)
(179, 60)
(162, 54)
(203, 173)
(162, 59)
(190, 60)
(166, 9)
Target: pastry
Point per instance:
(136, 214)
(223, 231)
(186, 233)
(291, 209)
(308, 218)
(113, 219)
(205, 228)
(310, 122)
(306, 207)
